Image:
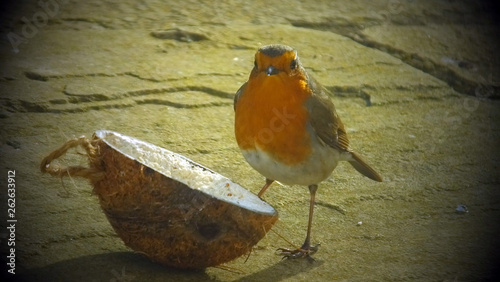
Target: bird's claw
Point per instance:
(298, 253)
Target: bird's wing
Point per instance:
(325, 120)
(238, 94)
(330, 129)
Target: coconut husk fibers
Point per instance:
(160, 217)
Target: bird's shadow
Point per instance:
(284, 269)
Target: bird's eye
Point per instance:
(255, 64)
(293, 64)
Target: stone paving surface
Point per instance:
(415, 82)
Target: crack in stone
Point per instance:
(180, 105)
(179, 35)
(76, 102)
(332, 207)
(355, 32)
(143, 92)
(350, 91)
(33, 75)
(457, 82)
(99, 101)
(87, 20)
(410, 100)
(132, 74)
(30, 107)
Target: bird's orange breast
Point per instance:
(271, 115)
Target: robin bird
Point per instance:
(288, 130)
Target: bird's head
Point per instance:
(277, 59)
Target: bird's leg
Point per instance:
(307, 241)
(306, 250)
(264, 188)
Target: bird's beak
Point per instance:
(271, 70)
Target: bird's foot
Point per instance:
(303, 252)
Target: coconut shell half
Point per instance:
(171, 209)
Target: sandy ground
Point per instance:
(415, 82)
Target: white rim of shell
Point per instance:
(182, 169)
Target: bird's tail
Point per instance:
(362, 167)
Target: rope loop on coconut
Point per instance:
(92, 173)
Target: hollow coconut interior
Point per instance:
(184, 170)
